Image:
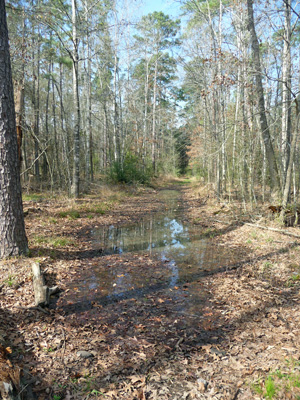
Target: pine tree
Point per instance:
(13, 239)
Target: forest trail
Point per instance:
(166, 294)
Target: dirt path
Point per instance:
(240, 340)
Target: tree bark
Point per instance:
(153, 145)
(13, 239)
(286, 90)
(288, 179)
(36, 102)
(76, 168)
(265, 132)
(19, 95)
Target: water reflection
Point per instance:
(161, 255)
(155, 232)
(165, 235)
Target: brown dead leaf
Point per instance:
(135, 378)
(113, 394)
(140, 394)
(140, 326)
(207, 348)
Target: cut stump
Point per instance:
(42, 292)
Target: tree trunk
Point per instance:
(265, 132)
(19, 95)
(55, 140)
(36, 106)
(286, 90)
(288, 180)
(19, 104)
(76, 144)
(65, 137)
(145, 125)
(116, 127)
(153, 158)
(88, 128)
(13, 239)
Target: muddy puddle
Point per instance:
(160, 255)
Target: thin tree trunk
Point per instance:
(273, 170)
(36, 105)
(89, 133)
(145, 128)
(153, 147)
(19, 97)
(288, 180)
(116, 127)
(64, 133)
(45, 165)
(55, 140)
(76, 167)
(286, 90)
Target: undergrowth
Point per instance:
(53, 241)
(281, 383)
(131, 170)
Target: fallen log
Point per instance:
(42, 292)
(274, 230)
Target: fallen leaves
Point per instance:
(149, 340)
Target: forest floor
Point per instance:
(241, 341)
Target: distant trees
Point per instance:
(242, 84)
(94, 90)
(155, 73)
(99, 92)
(13, 239)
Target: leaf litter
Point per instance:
(142, 338)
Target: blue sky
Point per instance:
(167, 6)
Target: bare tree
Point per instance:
(264, 127)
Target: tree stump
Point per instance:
(42, 292)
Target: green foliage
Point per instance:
(86, 385)
(294, 279)
(280, 382)
(181, 146)
(166, 69)
(100, 208)
(159, 29)
(10, 281)
(197, 9)
(270, 388)
(32, 197)
(131, 171)
(54, 241)
(71, 214)
(65, 61)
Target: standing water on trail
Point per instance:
(162, 254)
(163, 235)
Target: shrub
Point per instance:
(132, 170)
